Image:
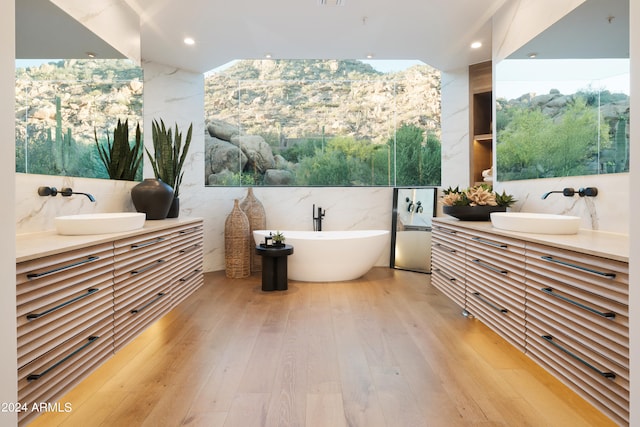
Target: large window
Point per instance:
(62, 105)
(322, 123)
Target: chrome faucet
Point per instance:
(317, 218)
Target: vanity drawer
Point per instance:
(597, 379)
(495, 271)
(136, 255)
(57, 295)
(140, 301)
(188, 270)
(49, 377)
(578, 324)
(447, 262)
(604, 277)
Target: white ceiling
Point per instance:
(438, 32)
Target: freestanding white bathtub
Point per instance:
(330, 256)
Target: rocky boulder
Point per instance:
(222, 130)
(278, 177)
(257, 151)
(221, 155)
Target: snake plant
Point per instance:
(120, 159)
(169, 154)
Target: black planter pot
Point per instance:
(174, 210)
(152, 197)
(472, 213)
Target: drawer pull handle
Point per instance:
(490, 243)
(578, 267)
(156, 299)
(149, 267)
(446, 230)
(90, 291)
(453, 251)
(550, 340)
(64, 267)
(149, 243)
(189, 249)
(189, 231)
(489, 303)
(90, 340)
(489, 267)
(193, 273)
(549, 291)
(441, 273)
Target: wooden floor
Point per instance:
(385, 350)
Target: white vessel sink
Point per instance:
(99, 223)
(539, 223)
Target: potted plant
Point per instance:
(278, 239)
(475, 203)
(168, 159)
(120, 159)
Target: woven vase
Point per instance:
(237, 246)
(254, 211)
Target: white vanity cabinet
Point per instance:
(81, 298)
(578, 324)
(64, 321)
(495, 268)
(447, 262)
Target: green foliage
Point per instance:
(120, 159)
(303, 149)
(169, 155)
(417, 161)
(533, 145)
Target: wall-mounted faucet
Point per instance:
(570, 192)
(317, 218)
(567, 192)
(588, 192)
(409, 204)
(65, 192)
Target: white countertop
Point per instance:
(35, 245)
(599, 243)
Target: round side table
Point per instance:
(274, 266)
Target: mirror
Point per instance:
(413, 209)
(562, 100)
(59, 102)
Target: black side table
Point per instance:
(274, 266)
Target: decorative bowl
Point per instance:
(472, 213)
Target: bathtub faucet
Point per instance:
(317, 218)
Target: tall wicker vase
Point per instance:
(237, 246)
(254, 211)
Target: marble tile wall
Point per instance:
(35, 213)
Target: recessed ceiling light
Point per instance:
(476, 45)
(369, 55)
(91, 54)
(532, 55)
(189, 41)
(267, 55)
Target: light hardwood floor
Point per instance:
(385, 350)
